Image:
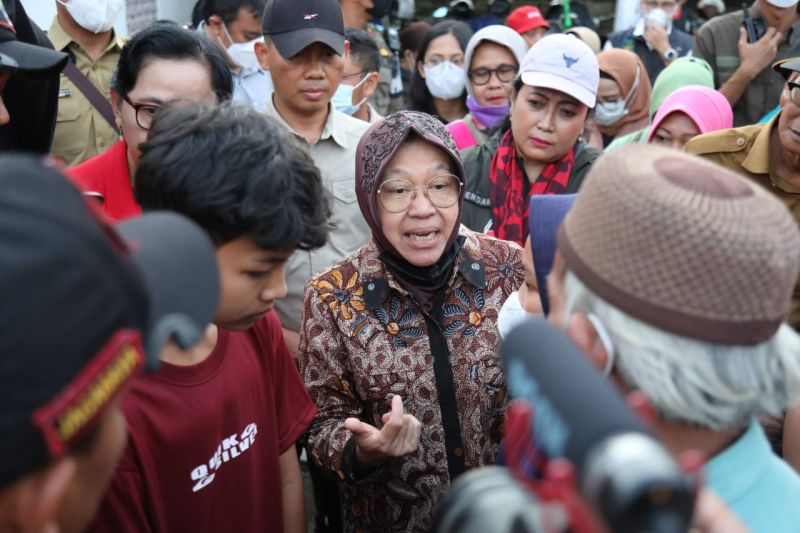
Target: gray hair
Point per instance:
(711, 385)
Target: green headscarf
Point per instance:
(680, 73)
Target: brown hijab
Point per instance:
(622, 66)
(375, 150)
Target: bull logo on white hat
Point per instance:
(569, 61)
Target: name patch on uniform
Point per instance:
(65, 92)
(75, 410)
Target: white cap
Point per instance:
(783, 4)
(563, 63)
(719, 4)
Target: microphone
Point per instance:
(629, 479)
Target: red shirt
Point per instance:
(108, 175)
(205, 440)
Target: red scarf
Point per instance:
(508, 180)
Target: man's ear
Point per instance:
(371, 84)
(584, 335)
(214, 26)
(346, 51)
(34, 502)
(262, 54)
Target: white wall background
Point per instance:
(43, 11)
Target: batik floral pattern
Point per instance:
(360, 347)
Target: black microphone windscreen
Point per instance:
(575, 409)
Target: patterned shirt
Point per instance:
(363, 340)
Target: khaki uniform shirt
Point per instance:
(717, 41)
(388, 97)
(335, 156)
(746, 151)
(81, 131)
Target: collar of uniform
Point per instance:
(757, 160)
(469, 264)
(61, 39)
(734, 470)
(332, 128)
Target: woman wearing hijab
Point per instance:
(623, 97)
(689, 112)
(680, 73)
(539, 150)
(399, 340)
(491, 63)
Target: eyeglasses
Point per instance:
(794, 93)
(396, 195)
(354, 74)
(481, 76)
(437, 60)
(144, 113)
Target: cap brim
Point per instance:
(291, 43)
(546, 213)
(179, 267)
(785, 67)
(558, 83)
(30, 58)
(782, 4)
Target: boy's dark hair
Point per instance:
(165, 41)
(421, 99)
(236, 173)
(227, 10)
(363, 49)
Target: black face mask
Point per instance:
(380, 8)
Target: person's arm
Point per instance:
(294, 511)
(753, 59)
(292, 340)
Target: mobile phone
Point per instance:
(755, 27)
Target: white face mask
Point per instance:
(512, 314)
(96, 16)
(607, 113)
(343, 97)
(445, 80)
(243, 54)
(657, 17)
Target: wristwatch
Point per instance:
(670, 54)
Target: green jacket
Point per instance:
(476, 213)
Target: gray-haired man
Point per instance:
(675, 276)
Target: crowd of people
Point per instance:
(263, 262)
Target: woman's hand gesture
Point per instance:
(399, 436)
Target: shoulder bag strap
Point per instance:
(91, 93)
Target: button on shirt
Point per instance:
(81, 131)
(756, 484)
(335, 156)
(718, 43)
(252, 87)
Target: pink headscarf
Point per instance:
(708, 109)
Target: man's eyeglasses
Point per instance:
(144, 113)
(481, 76)
(794, 93)
(396, 195)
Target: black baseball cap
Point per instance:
(84, 307)
(295, 24)
(26, 57)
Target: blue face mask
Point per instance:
(343, 97)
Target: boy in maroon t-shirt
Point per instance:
(212, 435)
